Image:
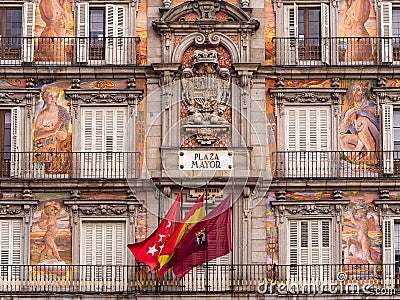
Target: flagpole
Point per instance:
(232, 231)
(206, 235)
(159, 201)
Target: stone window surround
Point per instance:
(305, 210)
(91, 210)
(281, 96)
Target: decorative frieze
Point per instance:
(78, 97)
(285, 209)
(386, 95)
(285, 96)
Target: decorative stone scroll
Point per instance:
(132, 97)
(334, 208)
(206, 96)
(283, 96)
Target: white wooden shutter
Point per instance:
(10, 249)
(388, 253)
(387, 138)
(386, 31)
(290, 29)
(116, 30)
(16, 155)
(103, 243)
(103, 131)
(325, 34)
(310, 242)
(28, 15)
(82, 31)
(308, 140)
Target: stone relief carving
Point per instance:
(205, 95)
(206, 9)
(386, 95)
(9, 210)
(281, 96)
(285, 208)
(131, 97)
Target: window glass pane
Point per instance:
(13, 22)
(396, 22)
(7, 134)
(96, 22)
(397, 242)
(301, 22)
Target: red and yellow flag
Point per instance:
(166, 255)
(148, 250)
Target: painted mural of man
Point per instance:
(48, 221)
(362, 245)
(359, 127)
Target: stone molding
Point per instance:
(386, 95)
(334, 208)
(131, 97)
(111, 208)
(285, 96)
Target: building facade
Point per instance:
(107, 110)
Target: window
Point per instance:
(390, 32)
(307, 140)
(96, 33)
(5, 142)
(306, 33)
(11, 32)
(396, 130)
(102, 132)
(106, 27)
(103, 252)
(309, 244)
(10, 248)
(309, 27)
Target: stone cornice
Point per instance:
(104, 208)
(18, 96)
(386, 95)
(331, 208)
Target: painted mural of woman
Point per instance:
(56, 14)
(50, 134)
(359, 46)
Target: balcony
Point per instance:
(70, 165)
(336, 164)
(336, 51)
(69, 51)
(205, 279)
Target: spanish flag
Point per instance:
(165, 258)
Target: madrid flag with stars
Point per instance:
(147, 251)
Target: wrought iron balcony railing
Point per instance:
(73, 165)
(336, 164)
(207, 278)
(69, 51)
(335, 51)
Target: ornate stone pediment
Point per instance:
(386, 95)
(205, 96)
(285, 96)
(285, 209)
(78, 97)
(92, 208)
